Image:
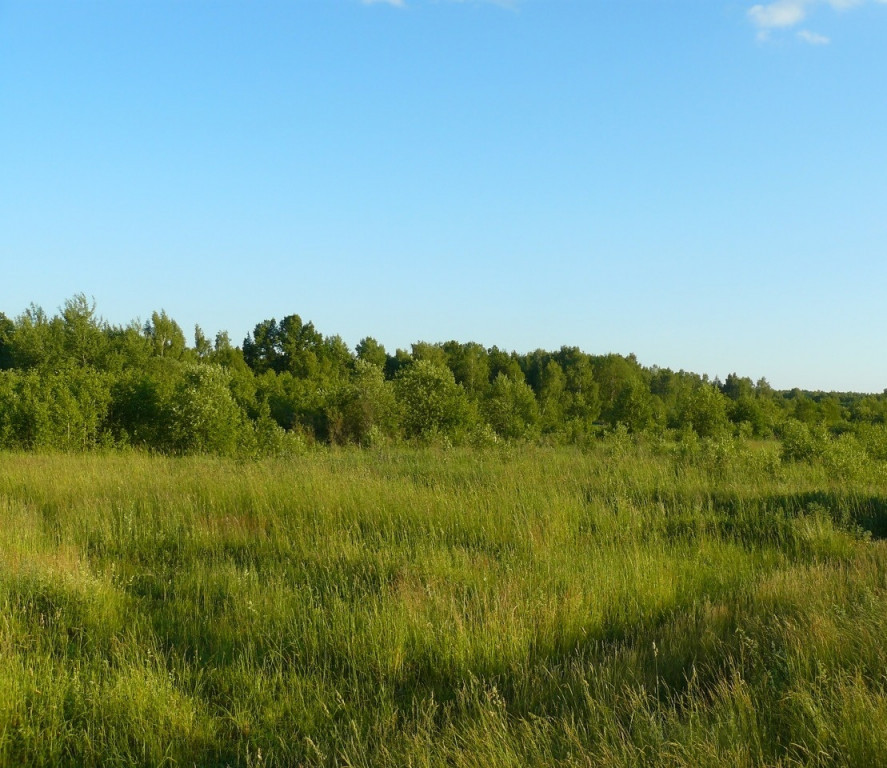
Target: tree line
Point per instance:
(75, 382)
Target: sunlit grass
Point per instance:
(628, 605)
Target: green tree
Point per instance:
(7, 332)
(371, 351)
(365, 408)
(127, 348)
(616, 377)
(799, 443)
(705, 411)
(85, 341)
(633, 407)
(301, 345)
(166, 337)
(335, 362)
(298, 348)
(674, 391)
(805, 409)
(832, 413)
(470, 364)
(552, 400)
(432, 353)
(397, 362)
(36, 342)
(203, 348)
(871, 409)
(203, 415)
(507, 363)
(262, 349)
(78, 398)
(747, 409)
(141, 403)
(26, 412)
(8, 397)
(581, 405)
(431, 401)
(735, 387)
(510, 408)
(65, 409)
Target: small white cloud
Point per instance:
(782, 13)
(395, 3)
(813, 38)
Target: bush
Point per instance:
(432, 403)
(511, 409)
(799, 443)
(705, 412)
(204, 417)
(844, 457)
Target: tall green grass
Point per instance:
(630, 605)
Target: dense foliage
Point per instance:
(73, 381)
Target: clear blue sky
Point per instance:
(701, 183)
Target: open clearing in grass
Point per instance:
(628, 605)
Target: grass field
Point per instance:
(630, 605)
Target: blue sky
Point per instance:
(701, 183)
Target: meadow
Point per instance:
(633, 603)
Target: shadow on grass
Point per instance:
(767, 518)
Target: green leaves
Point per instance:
(203, 415)
(74, 382)
(511, 409)
(167, 338)
(64, 410)
(705, 411)
(431, 401)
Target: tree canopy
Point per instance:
(73, 381)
